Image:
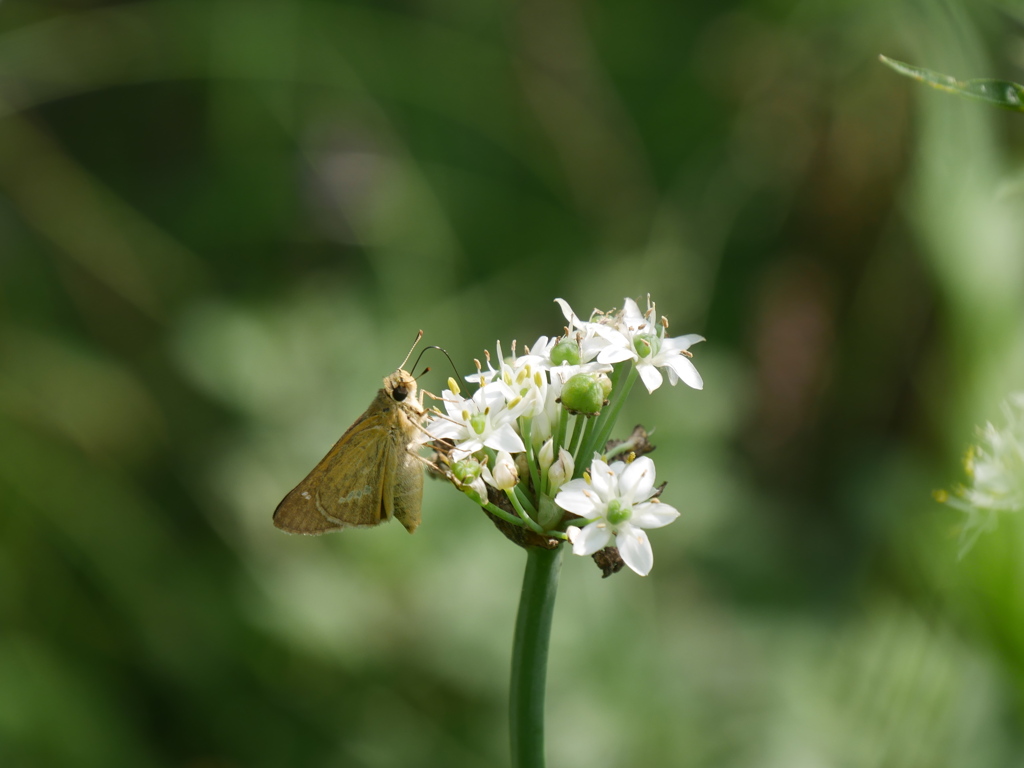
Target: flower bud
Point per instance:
(561, 470)
(566, 351)
(466, 470)
(583, 394)
(549, 515)
(467, 474)
(504, 473)
(606, 384)
(476, 490)
(522, 465)
(546, 455)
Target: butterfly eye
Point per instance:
(400, 393)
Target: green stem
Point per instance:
(592, 442)
(521, 511)
(579, 421)
(613, 411)
(499, 512)
(530, 656)
(531, 457)
(588, 439)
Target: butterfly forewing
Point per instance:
(368, 476)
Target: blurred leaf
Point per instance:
(1001, 93)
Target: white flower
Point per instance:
(616, 501)
(668, 353)
(995, 470)
(524, 377)
(638, 337)
(592, 336)
(473, 423)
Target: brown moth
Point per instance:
(371, 474)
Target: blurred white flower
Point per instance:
(995, 471)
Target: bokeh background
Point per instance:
(222, 222)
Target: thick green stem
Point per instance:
(530, 656)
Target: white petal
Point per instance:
(685, 370)
(683, 342)
(454, 404)
(569, 314)
(468, 448)
(493, 395)
(441, 428)
(635, 549)
(590, 538)
(579, 501)
(631, 314)
(505, 439)
(650, 376)
(615, 354)
(604, 480)
(637, 481)
(650, 514)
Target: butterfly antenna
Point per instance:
(443, 351)
(418, 337)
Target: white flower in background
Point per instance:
(616, 501)
(482, 420)
(995, 471)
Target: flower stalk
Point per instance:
(530, 656)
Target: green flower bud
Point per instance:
(583, 394)
(606, 384)
(466, 471)
(548, 515)
(566, 351)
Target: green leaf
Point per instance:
(1002, 93)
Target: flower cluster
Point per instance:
(995, 472)
(531, 444)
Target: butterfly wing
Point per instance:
(408, 489)
(349, 487)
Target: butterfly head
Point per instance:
(400, 386)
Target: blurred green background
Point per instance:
(223, 222)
